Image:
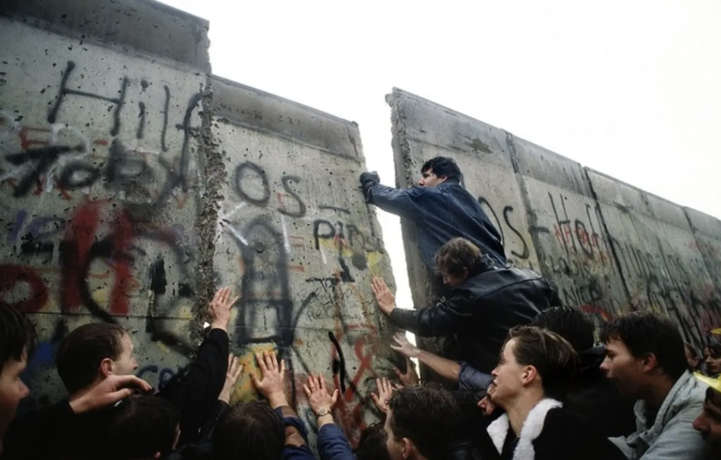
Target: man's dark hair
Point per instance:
(713, 343)
(427, 415)
(143, 426)
(17, 335)
(82, 351)
(249, 430)
(643, 333)
(372, 444)
(570, 323)
(443, 166)
(553, 357)
(457, 257)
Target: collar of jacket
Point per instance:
(486, 264)
(680, 395)
(532, 428)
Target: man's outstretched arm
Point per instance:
(401, 202)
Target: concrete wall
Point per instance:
(134, 183)
(608, 247)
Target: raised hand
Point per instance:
(321, 401)
(219, 309)
(384, 297)
(271, 383)
(111, 390)
(384, 391)
(231, 378)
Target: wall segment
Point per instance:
(608, 247)
(134, 183)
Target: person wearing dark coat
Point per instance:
(534, 372)
(486, 301)
(440, 208)
(92, 354)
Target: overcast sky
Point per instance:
(630, 88)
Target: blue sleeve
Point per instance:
(332, 443)
(402, 202)
(294, 452)
(472, 379)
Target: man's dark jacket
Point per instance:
(440, 213)
(480, 312)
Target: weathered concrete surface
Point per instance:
(608, 247)
(134, 184)
(297, 237)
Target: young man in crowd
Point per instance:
(423, 423)
(96, 352)
(54, 424)
(486, 301)
(646, 361)
(441, 209)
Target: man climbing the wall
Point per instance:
(441, 209)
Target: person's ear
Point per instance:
(649, 362)
(106, 367)
(442, 178)
(408, 447)
(530, 373)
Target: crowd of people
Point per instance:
(524, 378)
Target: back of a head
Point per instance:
(143, 426)
(17, 335)
(570, 323)
(457, 257)
(427, 415)
(444, 166)
(553, 357)
(249, 430)
(82, 351)
(372, 444)
(643, 333)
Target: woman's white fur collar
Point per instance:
(532, 428)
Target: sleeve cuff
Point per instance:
(404, 319)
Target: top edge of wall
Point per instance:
(146, 26)
(249, 107)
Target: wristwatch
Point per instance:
(322, 412)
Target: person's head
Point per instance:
(709, 421)
(372, 444)
(536, 363)
(421, 421)
(249, 430)
(17, 341)
(92, 352)
(455, 260)
(144, 427)
(692, 357)
(438, 170)
(570, 323)
(642, 348)
(712, 354)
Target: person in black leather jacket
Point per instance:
(486, 300)
(441, 209)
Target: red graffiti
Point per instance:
(81, 233)
(80, 237)
(122, 240)
(587, 308)
(11, 275)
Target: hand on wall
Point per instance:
(220, 309)
(231, 378)
(271, 383)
